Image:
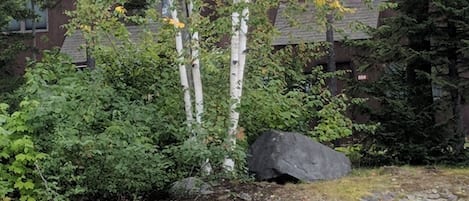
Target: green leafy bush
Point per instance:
(282, 96)
(18, 159)
(102, 142)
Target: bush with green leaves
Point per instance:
(101, 142)
(282, 96)
(19, 158)
(119, 130)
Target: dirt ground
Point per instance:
(381, 184)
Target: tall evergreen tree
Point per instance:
(420, 47)
(450, 59)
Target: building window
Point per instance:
(138, 7)
(41, 21)
(437, 91)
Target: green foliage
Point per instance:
(353, 152)
(13, 9)
(18, 158)
(402, 136)
(101, 142)
(118, 131)
(286, 98)
(420, 84)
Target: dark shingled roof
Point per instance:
(310, 31)
(73, 44)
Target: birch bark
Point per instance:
(197, 79)
(182, 67)
(238, 61)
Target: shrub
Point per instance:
(284, 97)
(18, 159)
(102, 141)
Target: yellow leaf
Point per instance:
(85, 28)
(176, 23)
(180, 25)
(336, 4)
(320, 2)
(120, 9)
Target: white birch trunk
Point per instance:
(197, 80)
(182, 67)
(198, 92)
(242, 49)
(234, 76)
(238, 60)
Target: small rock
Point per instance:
(245, 196)
(433, 196)
(388, 196)
(189, 187)
(411, 197)
(451, 197)
(223, 197)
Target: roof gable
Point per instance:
(309, 31)
(73, 44)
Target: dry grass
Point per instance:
(359, 184)
(363, 182)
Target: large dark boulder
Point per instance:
(278, 154)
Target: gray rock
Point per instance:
(188, 187)
(245, 197)
(433, 196)
(451, 197)
(276, 154)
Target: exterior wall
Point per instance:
(46, 40)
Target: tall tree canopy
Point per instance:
(422, 50)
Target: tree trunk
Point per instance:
(456, 95)
(196, 77)
(33, 30)
(234, 98)
(206, 167)
(238, 61)
(182, 69)
(90, 61)
(331, 63)
(242, 49)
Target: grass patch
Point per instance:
(358, 184)
(363, 182)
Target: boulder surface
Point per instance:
(278, 154)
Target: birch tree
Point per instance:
(237, 66)
(182, 67)
(195, 63)
(196, 75)
(332, 9)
